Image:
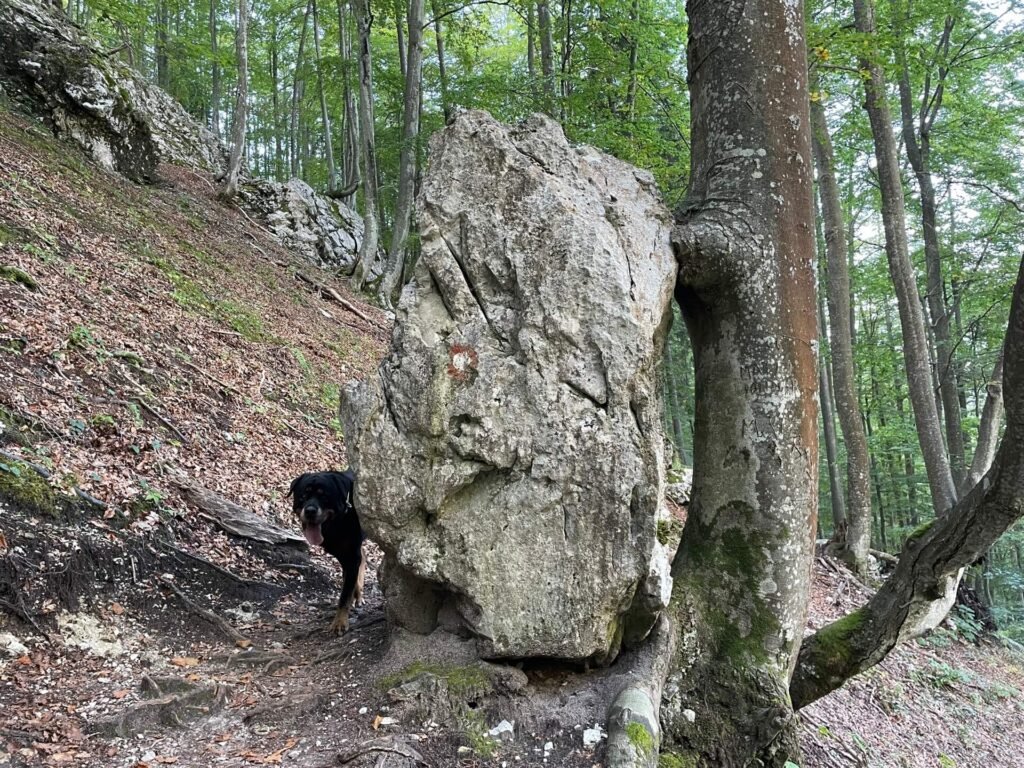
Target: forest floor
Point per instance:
(152, 338)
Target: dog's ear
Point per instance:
(295, 484)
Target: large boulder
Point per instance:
(126, 124)
(509, 454)
(322, 230)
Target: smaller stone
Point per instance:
(503, 731)
(12, 645)
(690, 715)
(363, 710)
(150, 755)
(548, 746)
(592, 736)
(464, 750)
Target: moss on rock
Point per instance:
(24, 487)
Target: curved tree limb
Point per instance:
(917, 595)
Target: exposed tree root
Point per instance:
(225, 629)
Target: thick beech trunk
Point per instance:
(915, 338)
(298, 87)
(350, 153)
(745, 245)
(230, 188)
(853, 542)
(918, 595)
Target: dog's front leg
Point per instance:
(350, 571)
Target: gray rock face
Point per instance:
(125, 123)
(322, 230)
(509, 454)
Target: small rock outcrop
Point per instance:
(510, 452)
(322, 230)
(126, 124)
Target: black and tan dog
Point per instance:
(323, 504)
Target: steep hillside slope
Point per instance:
(163, 331)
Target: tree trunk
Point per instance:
(531, 40)
(835, 485)
(350, 153)
(917, 139)
(634, 49)
(988, 430)
(368, 150)
(918, 594)
(215, 74)
(915, 339)
(547, 55)
(673, 392)
(275, 76)
(853, 547)
(332, 176)
(298, 88)
(564, 81)
(408, 156)
(745, 246)
(442, 70)
(163, 71)
(230, 188)
(400, 32)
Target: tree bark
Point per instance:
(915, 339)
(918, 594)
(368, 150)
(230, 188)
(408, 156)
(275, 105)
(745, 246)
(856, 539)
(673, 392)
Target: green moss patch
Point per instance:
(13, 274)
(640, 738)
(23, 487)
(460, 679)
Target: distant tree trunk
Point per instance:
(835, 484)
(634, 49)
(400, 30)
(230, 188)
(215, 74)
(332, 176)
(547, 55)
(163, 20)
(918, 594)
(350, 145)
(275, 76)
(531, 41)
(368, 151)
(917, 139)
(564, 80)
(407, 157)
(442, 69)
(673, 392)
(915, 339)
(988, 430)
(855, 540)
(298, 92)
(745, 245)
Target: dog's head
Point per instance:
(316, 498)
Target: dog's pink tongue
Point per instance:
(313, 534)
